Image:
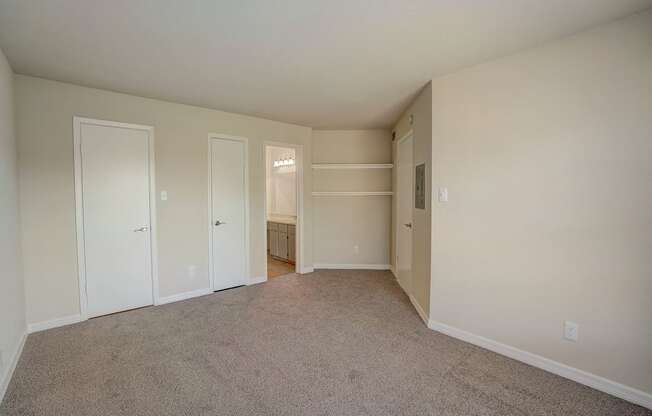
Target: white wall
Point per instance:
(352, 230)
(281, 183)
(44, 112)
(547, 156)
(12, 297)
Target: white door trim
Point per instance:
(79, 212)
(245, 141)
(410, 133)
(298, 155)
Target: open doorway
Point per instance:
(281, 210)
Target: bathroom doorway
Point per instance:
(281, 207)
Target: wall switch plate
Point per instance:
(443, 194)
(571, 331)
(164, 195)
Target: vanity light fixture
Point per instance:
(283, 162)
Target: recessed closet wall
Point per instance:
(352, 184)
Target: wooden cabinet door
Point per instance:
(292, 250)
(273, 242)
(282, 245)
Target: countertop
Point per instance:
(283, 220)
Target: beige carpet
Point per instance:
(328, 343)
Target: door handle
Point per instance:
(218, 222)
(408, 225)
(141, 229)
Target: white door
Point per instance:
(228, 204)
(115, 195)
(405, 199)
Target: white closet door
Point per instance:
(116, 218)
(405, 201)
(228, 193)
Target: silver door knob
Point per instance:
(141, 229)
(408, 225)
(218, 222)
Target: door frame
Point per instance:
(79, 206)
(397, 225)
(298, 156)
(211, 261)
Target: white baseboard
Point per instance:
(184, 296)
(599, 383)
(53, 323)
(307, 270)
(73, 319)
(353, 266)
(256, 280)
(6, 377)
(420, 311)
(391, 269)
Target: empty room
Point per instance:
(220, 207)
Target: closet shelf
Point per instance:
(353, 193)
(352, 165)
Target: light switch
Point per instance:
(443, 194)
(164, 195)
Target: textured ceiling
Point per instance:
(320, 63)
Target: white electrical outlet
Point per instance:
(192, 270)
(164, 195)
(571, 331)
(356, 249)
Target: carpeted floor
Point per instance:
(328, 343)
